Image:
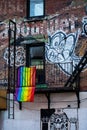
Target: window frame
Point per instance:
(28, 58)
(37, 16)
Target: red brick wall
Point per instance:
(53, 6)
(17, 8)
(12, 8)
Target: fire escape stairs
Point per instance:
(74, 79)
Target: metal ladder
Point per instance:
(11, 69)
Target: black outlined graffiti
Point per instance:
(61, 49)
(84, 26)
(20, 56)
(59, 121)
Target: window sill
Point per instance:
(34, 19)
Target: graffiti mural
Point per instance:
(59, 119)
(20, 56)
(61, 46)
(61, 49)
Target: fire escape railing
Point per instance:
(55, 81)
(56, 76)
(58, 82)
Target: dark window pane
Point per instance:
(36, 57)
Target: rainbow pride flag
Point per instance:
(26, 76)
(25, 84)
(25, 94)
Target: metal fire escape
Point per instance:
(74, 79)
(77, 71)
(72, 84)
(11, 68)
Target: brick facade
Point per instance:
(64, 15)
(11, 9)
(17, 8)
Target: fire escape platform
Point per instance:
(54, 90)
(50, 90)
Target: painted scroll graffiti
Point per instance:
(20, 56)
(61, 49)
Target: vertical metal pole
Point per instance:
(48, 98)
(77, 89)
(14, 63)
(9, 34)
(14, 52)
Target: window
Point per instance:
(35, 8)
(36, 57)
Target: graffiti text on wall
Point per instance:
(3, 82)
(20, 56)
(65, 24)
